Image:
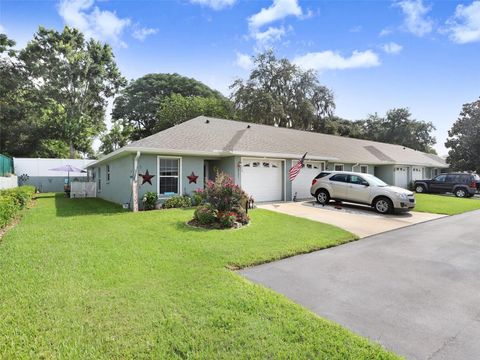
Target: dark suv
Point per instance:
(460, 184)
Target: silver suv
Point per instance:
(361, 189)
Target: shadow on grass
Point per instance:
(66, 207)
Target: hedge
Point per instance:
(12, 201)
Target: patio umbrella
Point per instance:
(68, 169)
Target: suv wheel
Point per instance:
(461, 193)
(419, 189)
(323, 197)
(383, 205)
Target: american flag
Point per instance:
(295, 169)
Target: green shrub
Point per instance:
(197, 197)
(205, 214)
(177, 202)
(149, 200)
(12, 201)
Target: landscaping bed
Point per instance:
(82, 278)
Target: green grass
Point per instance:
(84, 279)
(448, 205)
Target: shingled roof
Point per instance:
(219, 137)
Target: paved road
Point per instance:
(414, 290)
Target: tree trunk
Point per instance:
(72, 150)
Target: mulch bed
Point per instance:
(215, 226)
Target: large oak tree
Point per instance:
(464, 139)
(280, 93)
(138, 105)
(71, 78)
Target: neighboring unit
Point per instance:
(257, 157)
(460, 184)
(36, 172)
(359, 188)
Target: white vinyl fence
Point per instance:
(83, 189)
(8, 182)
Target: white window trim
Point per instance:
(323, 165)
(361, 168)
(342, 165)
(180, 180)
(99, 179)
(285, 172)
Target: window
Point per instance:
(338, 167)
(440, 178)
(357, 180)
(168, 176)
(364, 169)
(339, 178)
(99, 178)
(108, 172)
(322, 174)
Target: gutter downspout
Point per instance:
(354, 166)
(135, 183)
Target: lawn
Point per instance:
(448, 205)
(84, 279)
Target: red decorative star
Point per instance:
(146, 178)
(192, 178)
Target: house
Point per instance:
(36, 172)
(258, 157)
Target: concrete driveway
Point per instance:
(360, 220)
(414, 290)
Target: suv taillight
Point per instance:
(314, 181)
(473, 185)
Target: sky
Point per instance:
(374, 55)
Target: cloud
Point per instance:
(416, 20)
(385, 32)
(214, 4)
(392, 48)
(356, 29)
(102, 25)
(464, 26)
(142, 33)
(269, 36)
(331, 60)
(244, 61)
(279, 10)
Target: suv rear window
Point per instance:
(322, 174)
(339, 178)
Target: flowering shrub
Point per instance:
(224, 200)
(205, 214)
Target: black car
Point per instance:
(460, 184)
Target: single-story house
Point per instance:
(258, 157)
(36, 172)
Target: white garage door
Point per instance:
(302, 183)
(401, 177)
(417, 173)
(262, 179)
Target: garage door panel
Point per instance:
(302, 183)
(262, 179)
(401, 177)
